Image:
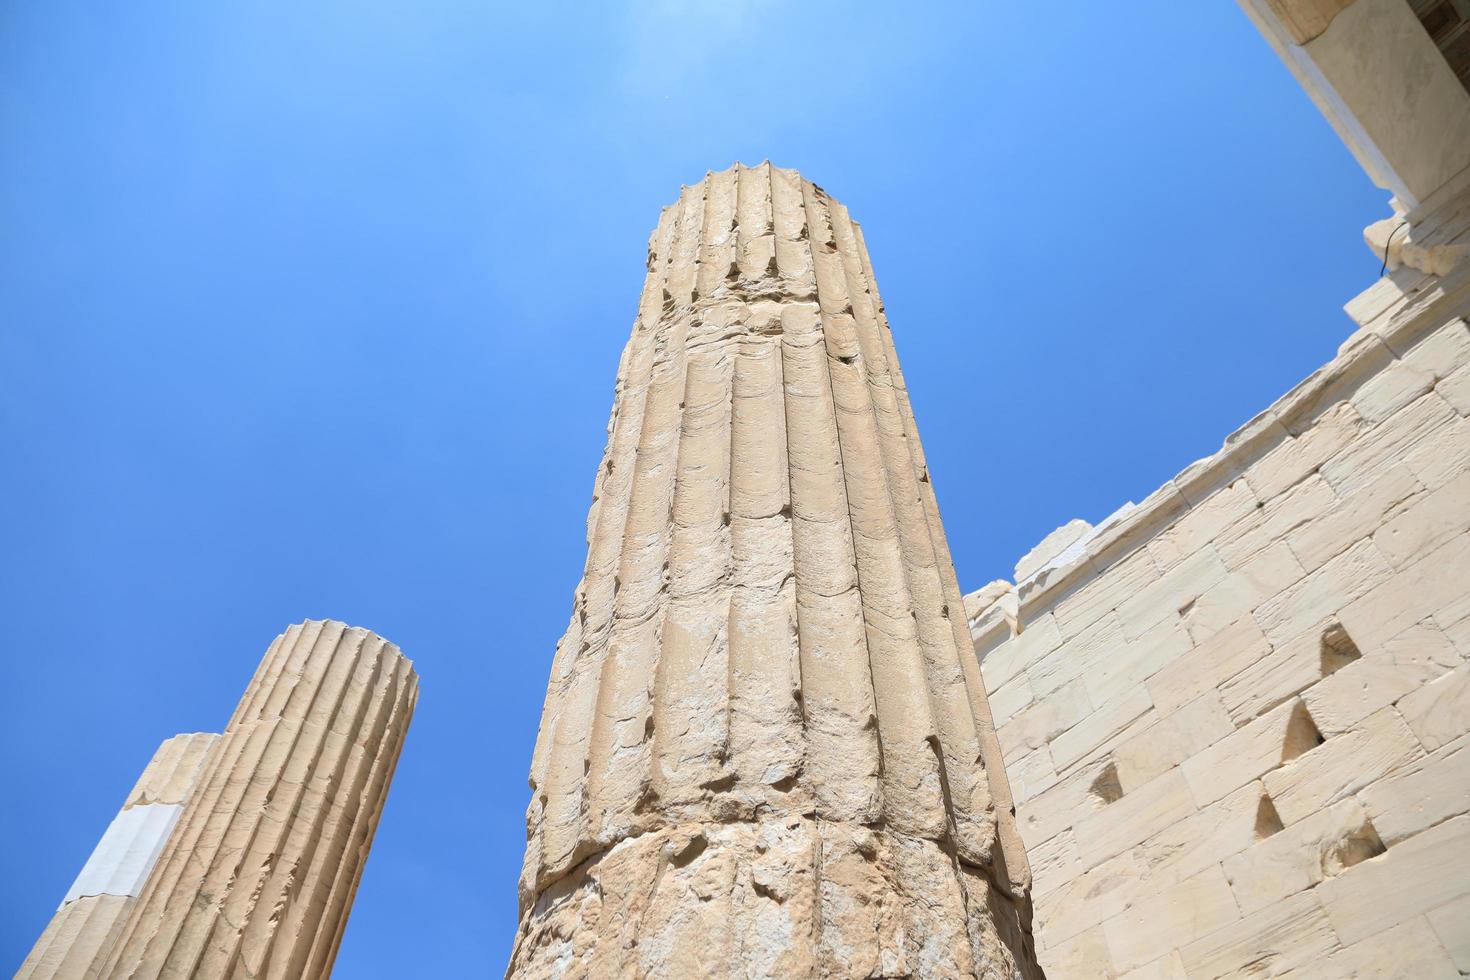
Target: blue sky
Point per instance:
(313, 310)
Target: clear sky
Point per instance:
(312, 309)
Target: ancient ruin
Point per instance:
(765, 749)
(238, 855)
(1236, 716)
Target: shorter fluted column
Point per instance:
(82, 932)
(258, 877)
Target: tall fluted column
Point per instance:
(258, 877)
(82, 932)
(766, 750)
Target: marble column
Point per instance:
(766, 749)
(257, 878)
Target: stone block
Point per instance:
(1076, 657)
(1441, 456)
(1170, 740)
(1124, 667)
(1265, 574)
(1451, 923)
(1428, 522)
(1053, 864)
(1010, 699)
(1421, 795)
(1014, 656)
(1444, 351)
(1391, 389)
(1455, 389)
(1202, 839)
(1411, 878)
(1298, 458)
(1385, 443)
(1163, 599)
(1283, 673)
(1221, 656)
(1354, 517)
(1247, 753)
(1090, 899)
(1401, 666)
(1105, 593)
(1054, 544)
(1169, 919)
(1168, 967)
(1097, 728)
(1134, 818)
(1411, 950)
(1276, 940)
(1439, 712)
(1045, 719)
(1085, 955)
(1058, 807)
(1032, 774)
(1342, 765)
(1296, 858)
(1199, 525)
(1430, 586)
(1322, 593)
(1276, 518)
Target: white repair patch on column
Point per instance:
(126, 853)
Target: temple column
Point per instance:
(257, 878)
(80, 935)
(766, 749)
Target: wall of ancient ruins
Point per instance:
(1235, 716)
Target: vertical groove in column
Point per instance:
(776, 758)
(258, 876)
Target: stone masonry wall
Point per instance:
(1235, 716)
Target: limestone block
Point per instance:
(1014, 656)
(1451, 924)
(1273, 521)
(1342, 765)
(1010, 699)
(1421, 795)
(1084, 955)
(1133, 819)
(1223, 655)
(1045, 719)
(1444, 351)
(1077, 657)
(1455, 389)
(1299, 458)
(1274, 941)
(1050, 547)
(258, 877)
(1401, 666)
(1125, 665)
(1353, 517)
(1107, 592)
(1265, 574)
(1280, 675)
(769, 654)
(1322, 593)
(1428, 522)
(1032, 774)
(1439, 712)
(1170, 740)
(1056, 808)
(1391, 389)
(1091, 898)
(1248, 753)
(1167, 597)
(1411, 878)
(1201, 524)
(1100, 727)
(1167, 920)
(1409, 950)
(1442, 455)
(1203, 839)
(1296, 858)
(1053, 864)
(1168, 967)
(1424, 588)
(1388, 441)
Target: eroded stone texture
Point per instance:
(258, 877)
(766, 750)
(79, 937)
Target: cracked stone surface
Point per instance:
(766, 749)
